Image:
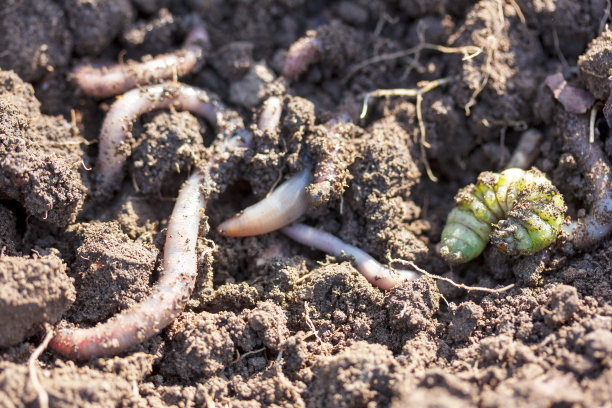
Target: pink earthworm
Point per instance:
(597, 171)
(176, 282)
(375, 273)
(305, 51)
(290, 200)
(270, 115)
(116, 79)
(169, 296)
(284, 205)
(526, 151)
(127, 108)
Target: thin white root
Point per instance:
(43, 396)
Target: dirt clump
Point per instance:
(166, 149)
(96, 24)
(33, 292)
(361, 374)
(594, 65)
(111, 272)
(35, 38)
(38, 166)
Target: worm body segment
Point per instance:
(284, 205)
(370, 268)
(169, 297)
(521, 212)
(113, 80)
(127, 108)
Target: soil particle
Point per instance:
(33, 291)
(165, 152)
(465, 319)
(67, 386)
(381, 196)
(250, 91)
(340, 45)
(411, 306)
(566, 26)
(509, 68)
(594, 65)
(232, 61)
(418, 8)
(331, 150)
(39, 156)
(437, 389)
(8, 232)
(111, 271)
(528, 271)
(338, 288)
(563, 304)
(201, 345)
(361, 375)
(152, 36)
(551, 389)
(96, 24)
(34, 38)
(598, 346)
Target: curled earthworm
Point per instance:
(116, 79)
(597, 171)
(370, 268)
(284, 205)
(305, 51)
(175, 284)
(521, 212)
(169, 296)
(127, 108)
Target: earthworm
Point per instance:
(284, 205)
(370, 268)
(329, 169)
(521, 212)
(169, 297)
(527, 150)
(125, 110)
(597, 171)
(290, 200)
(108, 81)
(270, 114)
(305, 51)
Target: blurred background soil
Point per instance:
(272, 323)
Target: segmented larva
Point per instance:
(520, 211)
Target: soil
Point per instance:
(272, 323)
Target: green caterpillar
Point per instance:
(520, 211)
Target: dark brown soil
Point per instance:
(272, 323)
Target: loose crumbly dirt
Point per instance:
(272, 323)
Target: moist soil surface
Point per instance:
(271, 322)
